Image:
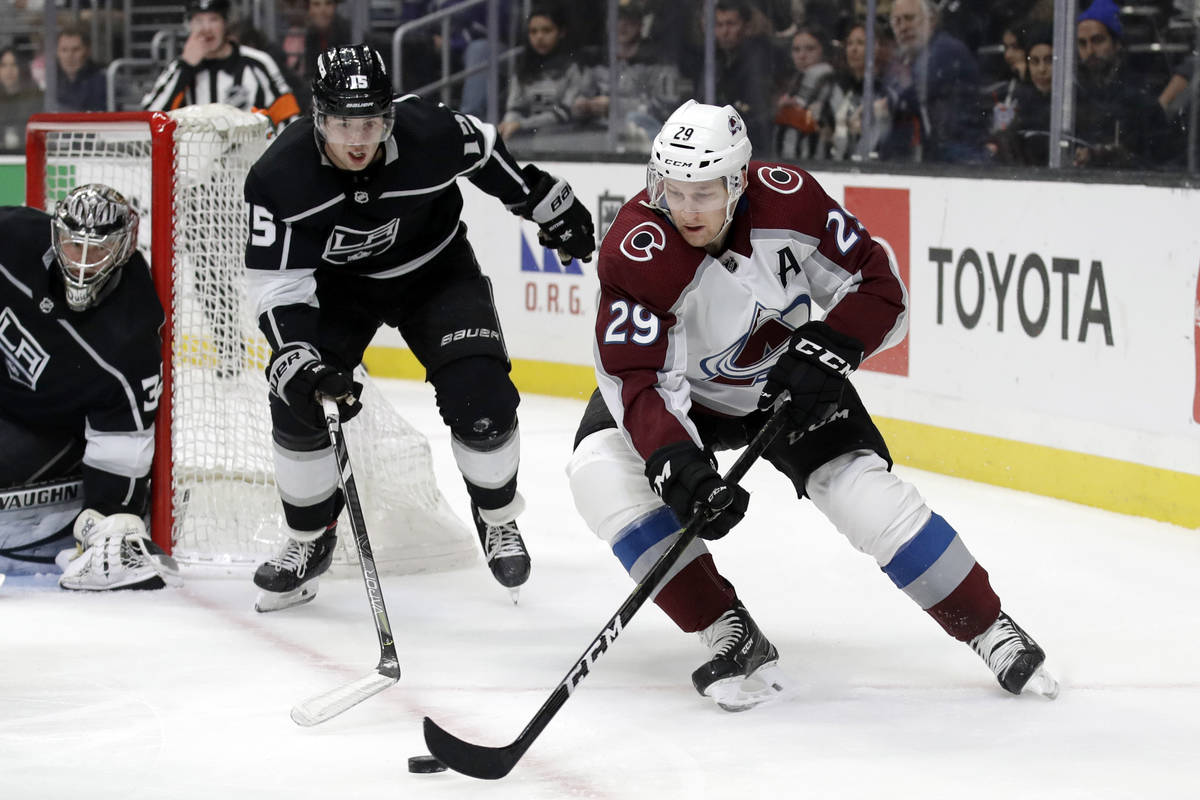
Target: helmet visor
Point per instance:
(670, 194)
(355, 130)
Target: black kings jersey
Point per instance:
(246, 79)
(677, 327)
(97, 372)
(386, 221)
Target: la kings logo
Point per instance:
(347, 245)
(24, 356)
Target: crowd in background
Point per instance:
(953, 82)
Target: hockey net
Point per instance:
(214, 503)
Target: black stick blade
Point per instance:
(472, 760)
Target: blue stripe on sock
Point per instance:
(644, 534)
(919, 554)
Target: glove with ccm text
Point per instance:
(687, 481)
(564, 222)
(813, 370)
(298, 377)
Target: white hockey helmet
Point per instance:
(699, 143)
(93, 232)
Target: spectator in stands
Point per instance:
(213, 68)
(324, 28)
(1002, 94)
(19, 98)
(802, 119)
(469, 48)
(939, 115)
(1117, 115)
(547, 84)
(745, 72)
(81, 85)
(1030, 139)
(846, 102)
(648, 88)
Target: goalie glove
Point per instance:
(564, 223)
(300, 379)
(687, 481)
(114, 552)
(813, 370)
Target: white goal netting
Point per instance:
(224, 512)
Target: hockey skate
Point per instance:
(118, 561)
(744, 670)
(289, 578)
(504, 550)
(1015, 658)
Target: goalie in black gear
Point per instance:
(79, 334)
(363, 230)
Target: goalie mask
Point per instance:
(352, 97)
(93, 232)
(700, 143)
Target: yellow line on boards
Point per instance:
(1106, 483)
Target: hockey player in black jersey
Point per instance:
(362, 230)
(79, 335)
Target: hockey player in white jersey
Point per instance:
(79, 337)
(724, 285)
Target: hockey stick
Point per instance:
(491, 763)
(326, 706)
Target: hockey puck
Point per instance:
(425, 764)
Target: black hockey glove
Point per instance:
(813, 370)
(299, 378)
(564, 222)
(688, 482)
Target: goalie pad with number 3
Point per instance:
(115, 552)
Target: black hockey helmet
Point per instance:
(194, 7)
(352, 96)
(351, 82)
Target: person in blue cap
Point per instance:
(1118, 118)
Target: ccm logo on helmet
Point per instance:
(642, 240)
(781, 179)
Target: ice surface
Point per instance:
(186, 693)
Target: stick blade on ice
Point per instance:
(472, 760)
(328, 705)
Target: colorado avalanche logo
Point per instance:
(781, 179)
(642, 240)
(735, 124)
(746, 361)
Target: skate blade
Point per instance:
(1042, 683)
(277, 601)
(767, 684)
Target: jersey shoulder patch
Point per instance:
(644, 256)
(786, 197)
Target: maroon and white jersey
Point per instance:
(677, 327)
